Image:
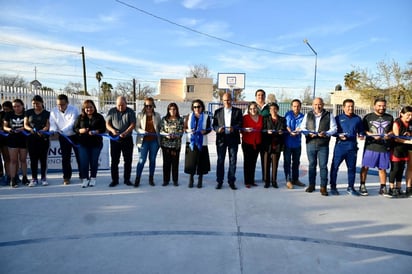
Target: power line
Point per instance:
(206, 34)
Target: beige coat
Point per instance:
(141, 125)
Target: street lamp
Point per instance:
(316, 66)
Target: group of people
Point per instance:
(260, 131)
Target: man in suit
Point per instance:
(227, 121)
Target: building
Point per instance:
(186, 89)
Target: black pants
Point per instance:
(125, 147)
(170, 162)
(250, 155)
(66, 151)
(38, 148)
(396, 173)
(271, 162)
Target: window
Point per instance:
(190, 88)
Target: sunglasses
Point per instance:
(148, 106)
(197, 106)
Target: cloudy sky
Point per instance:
(152, 39)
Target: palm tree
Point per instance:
(99, 76)
(352, 79)
(107, 91)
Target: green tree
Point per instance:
(352, 80)
(106, 89)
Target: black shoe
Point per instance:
(191, 181)
(334, 191)
(128, 183)
(25, 181)
(232, 186)
(113, 184)
(219, 186)
(176, 183)
(151, 181)
(310, 188)
(275, 184)
(200, 181)
(165, 183)
(137, 182)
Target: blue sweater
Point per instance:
(351, 126)
(293, 122)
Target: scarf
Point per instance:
(196, 138)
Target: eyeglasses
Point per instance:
(197, 106)
(148, 106)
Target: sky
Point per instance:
(153, 39)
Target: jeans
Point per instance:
(291, 156)
(151, 148)
(220, 169)
(124, 147)
(339, 155)
(89, 160)
(317, 153)
(66, 151)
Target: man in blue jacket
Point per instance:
(349, 128)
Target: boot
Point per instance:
(151, 181)
(191, 180)
(199, 182)
(137, 182)
(275, 184)
(267, 184)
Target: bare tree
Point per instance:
(73, 88)
(13, 81)
(199, 71)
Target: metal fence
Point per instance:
(49, 97)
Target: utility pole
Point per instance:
(84, 72)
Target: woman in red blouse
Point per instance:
(251, 142)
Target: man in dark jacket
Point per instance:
(227, 121)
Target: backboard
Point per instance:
(231, 81)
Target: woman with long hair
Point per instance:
(88, 126)
(16, 142)
(148, 139)
(400, 152)
(251, 142)
(197, 126)
(36, 122)
(171, 131)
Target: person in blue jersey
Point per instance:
(349, 128)
(293, 145)
(318, 125)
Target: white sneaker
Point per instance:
(92, 181)
(84, 183)
(44, 182)
(33, 183)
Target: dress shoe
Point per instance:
(128, 183)
(137, 182)
(219, 185)
(151, 181)
(289, 185)
(298, 183)
(310, 188)
(175, 183)
(275, 184)
(267, 185)
(113, 184)
(233, 186)
(253, 184)
(323, 191)
(247, 185)
(165, 183)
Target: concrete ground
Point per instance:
(67, 229)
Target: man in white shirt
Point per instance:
(62, 118)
